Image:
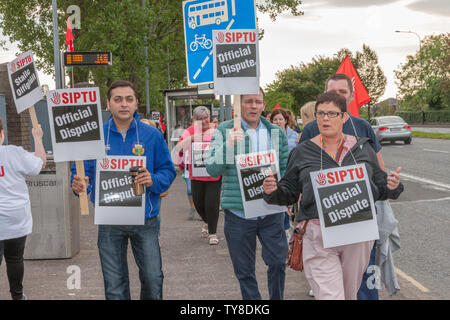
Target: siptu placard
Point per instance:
(199, 152)
(236, 62)
(253, 168)
(87, 58)
(345, 205)
(115, 201)
(76, 124)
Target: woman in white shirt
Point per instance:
(15, 212)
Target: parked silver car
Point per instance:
(391, 128)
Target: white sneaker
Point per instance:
(311, 293)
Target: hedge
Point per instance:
(415, 117)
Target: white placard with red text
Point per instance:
(24, 81)
(253, 168)
(156, 116)
(199, 152)
(115, 202)
(76, 124)
(236, 61)
(345, 205)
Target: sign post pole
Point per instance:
(79, 164)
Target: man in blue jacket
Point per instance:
(123, 133)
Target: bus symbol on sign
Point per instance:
(208, 13)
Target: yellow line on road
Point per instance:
(414, 282)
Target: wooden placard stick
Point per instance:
(33, 117)
(237, 110)
(84, 205)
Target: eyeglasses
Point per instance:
(330, 114)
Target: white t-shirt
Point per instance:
(15, 210)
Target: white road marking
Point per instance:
(420, 201)
(411, 280)
(440, 151)
(427, 181)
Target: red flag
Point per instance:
(69, 36)
(163, 127)
(361, 94)
(277, 106)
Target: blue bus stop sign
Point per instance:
(200, 18)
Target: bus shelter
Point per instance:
(179, 106)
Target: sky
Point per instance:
(329, 25)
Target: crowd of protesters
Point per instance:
(331, 138)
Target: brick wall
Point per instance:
(19, 125)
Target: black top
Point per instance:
(305, 158)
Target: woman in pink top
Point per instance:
(205, 189)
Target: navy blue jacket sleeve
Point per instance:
(371, 134)
(89, 171)
(309, 131)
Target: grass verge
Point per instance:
(431, 135)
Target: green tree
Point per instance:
(307, 80)
(285, 99)
(122, 27)
(425, 77)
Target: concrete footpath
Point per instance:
(193, 270)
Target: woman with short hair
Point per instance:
(205, 189)
(335, 272)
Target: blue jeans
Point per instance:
(112, 246)
(286, 222)
(241, 240)
(364, 293)
(188, 187)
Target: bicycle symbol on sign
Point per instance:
(202, 42)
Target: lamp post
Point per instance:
(420, 49)
(56, 46)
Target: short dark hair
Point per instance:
(1, 124)
(333, 97)
(279, 111)
(122, 83)
(265, 113)
(340, 76)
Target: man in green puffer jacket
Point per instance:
(257, 134)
